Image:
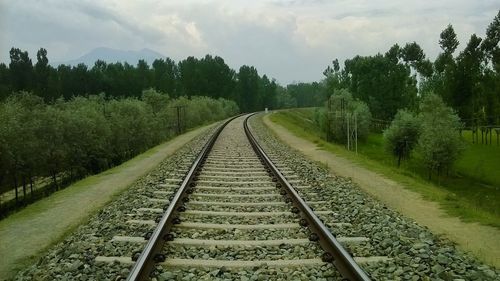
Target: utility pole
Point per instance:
(352, 132)
(180, 112)
(348, 133)
(328, 121)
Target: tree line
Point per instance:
(66, 140)
(209, 76)
(469, 81)
(377, 88)
(422, 104)
(62, 123)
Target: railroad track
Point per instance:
(238, 225)
(235, 210)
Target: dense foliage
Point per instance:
(67, 140)
(468, 82)
(344, 109)
(439, 143)
(307, 94)
(403, 80)
(209, 76)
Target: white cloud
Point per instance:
(289, 40)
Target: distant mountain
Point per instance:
(113, 55)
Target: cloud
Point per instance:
(290, 40)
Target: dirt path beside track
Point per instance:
(482, 241)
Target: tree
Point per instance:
(30, 108)
(448, 40)
(143, 78)
(491, 78)
(217, 79)
(21, 70)
(284, 99)
(53, 147)
(490, 44)
(466, 96)
(248, 89)
(5, 85)
(425, 68)
(449, 43)
(308, 94)
(268, 89)
(439, 143)
(402, 135)
(99, 77)
(333, 79)
(157, 101)
(189, 77)
(443, 81)
(382, 82)
(413, 55)
(42, 73)
(394, 54)
(86, 132)
(20, 145)
(165, 76)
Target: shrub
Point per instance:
(319, 118)
(402, 135)
(439, 142)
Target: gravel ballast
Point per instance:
(74, 258)
(414, 252)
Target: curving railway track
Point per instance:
(249, 214)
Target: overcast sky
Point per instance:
(290, 40)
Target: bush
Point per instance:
(439, 142)
(320, 119)
(402, 135)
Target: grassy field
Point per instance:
(471, 191)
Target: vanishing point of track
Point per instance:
(234, 179)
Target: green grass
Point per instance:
(471, 191)
(480, 162)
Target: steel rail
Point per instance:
(334, 252)
(152, 252)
